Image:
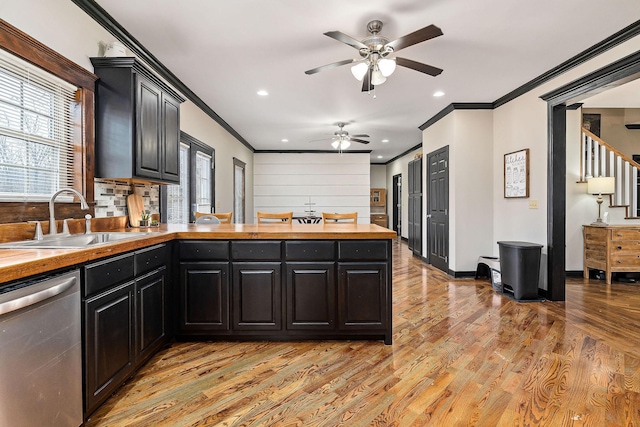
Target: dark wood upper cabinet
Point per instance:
(137, 123)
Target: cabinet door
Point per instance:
(150, 313)
(204, 296)
(362, 295)
(148, 130)
(311, 295)
(109, 342)
(257, 301)
(171, 140)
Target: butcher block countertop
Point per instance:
(21, 263)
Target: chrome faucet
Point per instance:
(52, 220)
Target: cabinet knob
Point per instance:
(619, 247)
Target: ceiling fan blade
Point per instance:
(419, 66)
(342, 37)
(321, 139)
(416, 37)
(366, 82)
(361, 141)
(329, 66)
(362, 135)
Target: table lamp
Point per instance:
(601, 185)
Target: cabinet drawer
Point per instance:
(204, 250)
(362, 249)
(256, 251)
(105, 274)
(631, 247)
(151, 258)
(625, 234)
(310, 251)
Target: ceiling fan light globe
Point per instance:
(359, 70)
(345, 144)
(387, 66)
(377, 78)
(335, 144)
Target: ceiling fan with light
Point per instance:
(342, 140)
(374, 65)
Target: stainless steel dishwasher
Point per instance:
(40, 352)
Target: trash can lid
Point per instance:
(523, 245)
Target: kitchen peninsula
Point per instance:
(255, 281)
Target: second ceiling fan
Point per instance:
(375, 66)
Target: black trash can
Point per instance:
(520, 269)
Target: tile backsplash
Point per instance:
(111, 197)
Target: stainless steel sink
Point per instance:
(73, 241)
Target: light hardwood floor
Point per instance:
(462, 356)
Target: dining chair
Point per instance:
(268, 217)
(207, 219)
(333, 218)
(224, 217)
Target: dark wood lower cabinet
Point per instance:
(311, 292)
(289, 289)
(362, 299)
(125, 318)
(109, 342)
(204, 296)
(257, 304)
(151, 322)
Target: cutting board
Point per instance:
(135, 206)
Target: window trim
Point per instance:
(25, 47)
(195, 145)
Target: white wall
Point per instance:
(522, 123)
(78, 37)
(334, 182)
(378, 174)
(401, 166)
(469, 135)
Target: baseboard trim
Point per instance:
(461, 274)
(574, 273)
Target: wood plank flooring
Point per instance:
(462, 356)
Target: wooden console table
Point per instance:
(611, 248)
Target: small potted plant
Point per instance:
(145, 217)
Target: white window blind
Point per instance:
(178, 195)
(36, 131)
(203, 182)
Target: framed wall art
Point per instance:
(516, 174)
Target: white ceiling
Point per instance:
(227, 50)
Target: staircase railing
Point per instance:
(601, 159)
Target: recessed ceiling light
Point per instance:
(379, 157)
(385, 140)
(263, 93)
(438, 93)
(285, 140)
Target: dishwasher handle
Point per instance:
(24, 297)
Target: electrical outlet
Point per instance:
(218, 204)
(533, 203)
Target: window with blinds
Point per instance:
(36, 131)
(178, 195)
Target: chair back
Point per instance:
(207, 219)
(268, 217)
(224, 217)
(332, 218)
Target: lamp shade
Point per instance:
(359, 70)
(387, 66)
(377, 78)
(601, 185)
